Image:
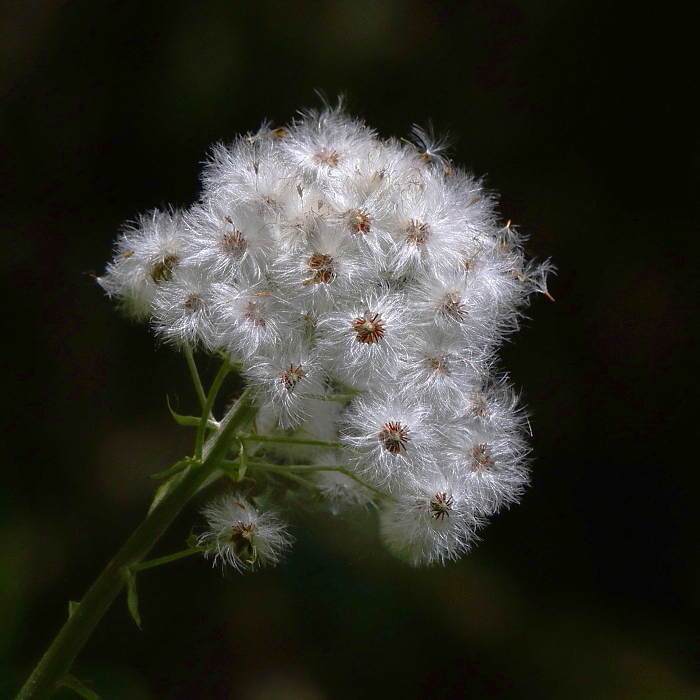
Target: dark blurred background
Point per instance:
(580, 115)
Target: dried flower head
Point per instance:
(240, 536)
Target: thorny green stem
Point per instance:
(54, 666)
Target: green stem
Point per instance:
(284, 469)
(81, 689)
(54, 665)
(291, 441)
(166, 559)
(293, 477)
(330, 397)
(195, 376)
(208, 405)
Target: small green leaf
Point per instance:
(80, 688)
(162, 491)
(243, 458)
(175, 469)
(185, 420)
(72, 606)
(192, 421)
(132, 599)
(180, 419)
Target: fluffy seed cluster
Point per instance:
(241, 536)
(326, 261)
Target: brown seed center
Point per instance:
(253, 314)
(394, 437)
(241, 541)
(327, 157)
(440, 505)
(322, 269)
(193, 302)
(359, 221)
(440, 364)
(291, 377)
(232, 242)
(369, 328)
(482, 457)
(162, 270)
(451, 306)
(416, 232)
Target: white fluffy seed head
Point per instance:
(240, 536)
(364, 341)
(349, 274)
(182, 308)
(431, 521)
(441, 367)
(389, 437)
(146, 254)
(491, 458)
(225, 238)
(288, 383)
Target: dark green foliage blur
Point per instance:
(579, 114)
